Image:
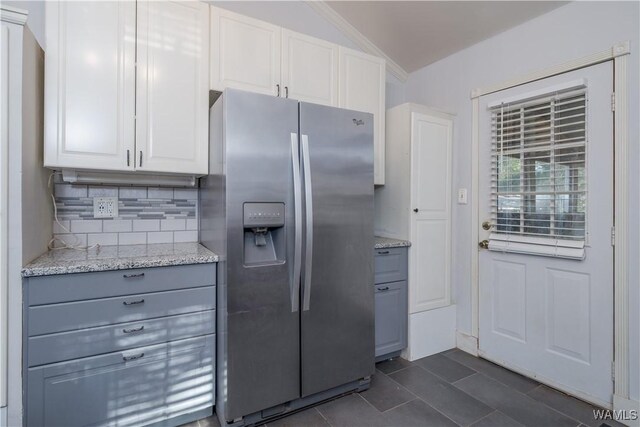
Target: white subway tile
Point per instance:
(185, 236)
(57, 229)
(104, 239)
(160, 193)
(185, 193)
(133, 192)
(132, 238)
(68, 190)
(146, 225)
(116, 225)
(173, 225)
(100, 191)
(72, 239)
(192, 224)
(160, 237)
(86, 226)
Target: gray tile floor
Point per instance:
(452, 388)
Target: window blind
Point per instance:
(539, 181)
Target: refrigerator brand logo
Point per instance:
(358, 122)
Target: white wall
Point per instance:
(572, 31)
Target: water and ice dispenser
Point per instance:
(264, 237)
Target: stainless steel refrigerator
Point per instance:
(288, 207)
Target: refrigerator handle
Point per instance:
(297, 202)
(308, 255)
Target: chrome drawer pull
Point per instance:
(131, 276)
(383, 252)
(386, 288)
(136, 302)
(132, 330)
(134, 357)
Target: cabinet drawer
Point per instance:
(390, 265)
(391, 317)
(106, 339)
(104, 284)
(129, 388)
(47, 319)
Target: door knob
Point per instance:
(415, 210)
(486, 225)
(484, 244)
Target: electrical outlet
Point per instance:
(105, 207)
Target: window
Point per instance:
(539, 186)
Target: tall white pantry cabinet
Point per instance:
(101, 113)
(415, 202)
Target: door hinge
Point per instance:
(613, 101)
(613, 236)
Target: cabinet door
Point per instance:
(362, 88)
(309, 69)
(173, 89)
(245, 53)
(129, 388)
(90, 85)
(391, 317)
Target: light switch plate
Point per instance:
(462, 196)
(105, 207)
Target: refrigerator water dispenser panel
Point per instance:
(264, 237)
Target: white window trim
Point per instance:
(619, 55)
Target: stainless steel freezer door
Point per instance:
(263, 326)
(337, 299)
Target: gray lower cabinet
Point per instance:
(391, 302)
(140, 352)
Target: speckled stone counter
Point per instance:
(386, 242)
(105, 258)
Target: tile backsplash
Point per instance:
(145, 215)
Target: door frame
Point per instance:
(618, 54)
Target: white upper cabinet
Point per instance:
(309, 69)
(90, 85)
(245, 53)
(172, 100)
(93, 91)
(362, 88)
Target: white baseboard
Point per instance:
(467, 343)
(628, 407)
(431, 332)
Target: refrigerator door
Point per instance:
(337, 280)
(262, 322)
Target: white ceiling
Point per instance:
(417, 33)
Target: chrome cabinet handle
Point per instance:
(131, 276)
(136, 302)
(133, 357)
(278, 90)
(386, 288)
(308, 257)
(128, 152)
(286, 91)
(132, 330)
(383, 252)
(297, 202)
(140, 158)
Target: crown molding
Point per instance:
(357, 37)
(13, 15)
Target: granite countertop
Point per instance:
(105, 258)
(387, 242)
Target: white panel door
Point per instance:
(309, 69)
(245, 53)
(430, 252)
(173, 87)
(552, 318)
(90, 85)
(362, 88)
